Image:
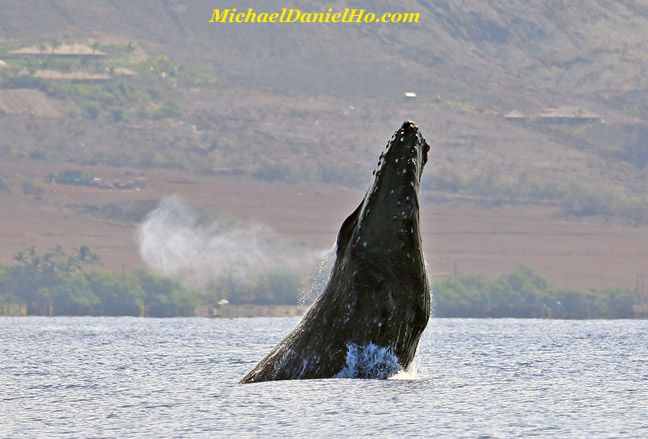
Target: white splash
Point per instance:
(318, 279)
(173, 240)
(369, 361)
(411, 373)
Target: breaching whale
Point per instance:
(368, 321)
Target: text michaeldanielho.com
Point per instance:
(293, 15)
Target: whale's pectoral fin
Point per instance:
(344, 236)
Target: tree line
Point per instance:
(59, 283)
(524, 294)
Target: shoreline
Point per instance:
(278, 311)
(237, 311)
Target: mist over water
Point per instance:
(176, 239)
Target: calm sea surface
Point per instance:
(125, 377)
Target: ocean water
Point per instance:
(129, 377)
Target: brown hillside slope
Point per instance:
(457, 237)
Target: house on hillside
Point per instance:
(78, 76)
(567, 115)
(63, 50)
(515, 116)
(123, 71)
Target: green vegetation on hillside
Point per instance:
(130, 84)
(55, 283)
(625, 142)
(324, 170)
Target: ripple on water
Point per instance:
(178, 377)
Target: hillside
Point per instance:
(317, 95)
(161, 90)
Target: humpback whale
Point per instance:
(369, 318)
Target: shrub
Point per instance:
(32, 189)
(117, 115)
(523, 293)
(91, 110)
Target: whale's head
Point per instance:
(385, 226)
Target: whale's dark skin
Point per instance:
(378, 290)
